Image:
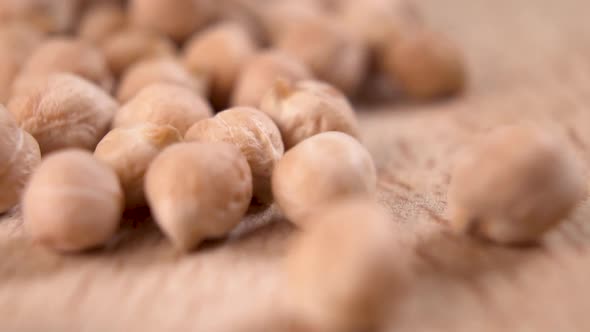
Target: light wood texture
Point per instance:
(529, 61)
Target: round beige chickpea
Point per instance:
(129, 151)
(513, 185)
(132, 45)
(425, 64)
(307, 108)
(164, 104)
(254, 133)
(17, 42)
(219, 53)
(101, 20)
(157, 70)
(47, 15)
(198, 191)
(65, 55)
(333, 55)
(259, 75)
(178, 19)
(73, 202)
(341, 270)
(323, 168)
(379, 22)
(64, 110)
(19, 156)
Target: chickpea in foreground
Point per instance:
(164, 104)
(219, 53)
(307, 108)
(514, 185)
(73, 202)
(340, 271)
(64, 111)
(198, 191)
(425, 64)
(157, 70)
(129, 151)
(324, 168)
(259, 75)
(254, 133)
(64, 54)
(19, 156)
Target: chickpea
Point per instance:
(17, 41)
(65, 55)
(102, 20)
(64, 110)
(208, 200)
(340, 271)
(333, 54)
(19, 156)
(158, 70)
(324, 168)
(260, 74)
(254, 133)
(534, 187)
(177, 19)
(129, 151)
(307, 108)
(47, 15)
(73, 202)
(426, 65)
(164, 104)
(219, 53)
(132, 45)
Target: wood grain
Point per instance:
(529, 61)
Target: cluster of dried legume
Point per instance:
(137, 83)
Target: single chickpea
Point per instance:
(341, 272)
(19, 156)
(209, 198)
(177, 19)
(379, 22)
(65, 55)
(102, 20)
(254, 133)
(129, 151)
(323, 168)
(48, 16)
(219, 53)
(159, 70)
(164, 104)
(514, 185)
(17, 41)
(259, 75)
(332, 54)
(73, 202)
(132, 45)
(425, 64)
(307, 108)
(64, 110)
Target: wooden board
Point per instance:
(529, 61)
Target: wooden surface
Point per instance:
(529, 61)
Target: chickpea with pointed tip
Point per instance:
(207, 200)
